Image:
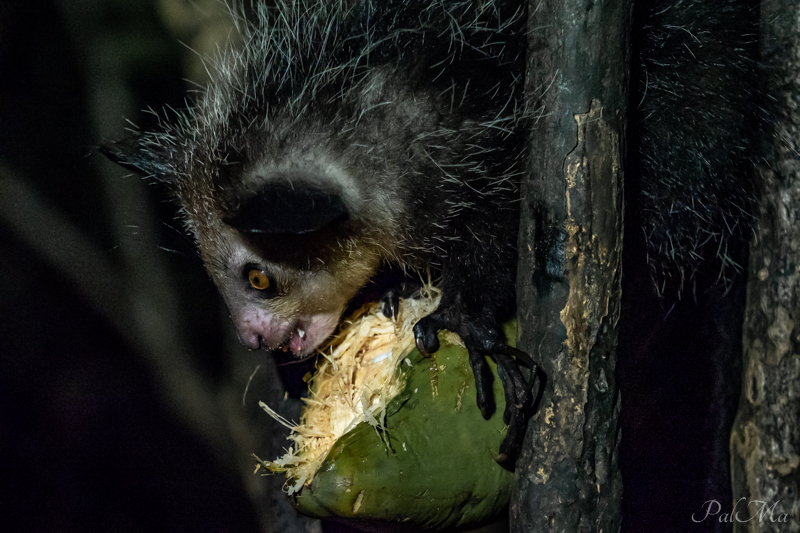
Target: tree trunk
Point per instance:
(569, 280)
(765, 444)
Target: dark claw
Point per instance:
(519, 355)
(483, 383)
(519, 397)
(518, 393)
(426, 335)
(512, 444)
(510, 391)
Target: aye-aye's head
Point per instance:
(286, 239)
(289, 169)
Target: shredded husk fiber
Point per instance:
(357, 375)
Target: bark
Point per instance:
(765, 444)
(569, 280)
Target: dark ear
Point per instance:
(148, 161)
(288, 208)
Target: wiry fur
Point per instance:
(409, 111)
(695, 118)
(383, 99)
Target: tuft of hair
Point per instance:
(694, 130)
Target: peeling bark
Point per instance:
(569, 280)
(765, 444)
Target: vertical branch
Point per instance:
(569, 280)
(765, 444)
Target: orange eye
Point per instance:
(258, 279)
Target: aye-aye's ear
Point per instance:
(288, 208)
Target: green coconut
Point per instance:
(388, 435)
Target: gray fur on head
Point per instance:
(407, 112)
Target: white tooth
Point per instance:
(301, 333)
